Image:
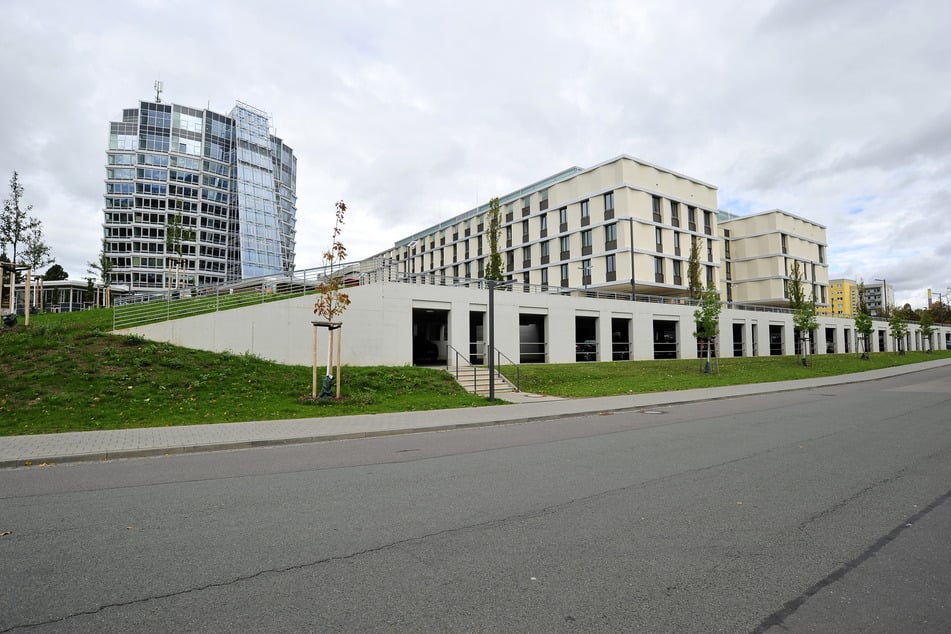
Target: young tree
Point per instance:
(36, 252)
(493, 271)
(863, 322)
(175, 236)
(694, 280)
(16, 222)
(797, 296)
(926, 325)
(331, 301)
(102, 268)
(898, 326)
(805, 321)
(707, 320)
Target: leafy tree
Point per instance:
(907, 312)
(926, 324)
(941, 313)
(494, 269)
(797, 295)
(898, 326)
(863, 321)
(804, 318)
(707, 320)
(102, 268)
(55, 273)
(36, 252)
(16, 222)
(694, 281)
(331, 301)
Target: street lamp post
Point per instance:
(493, 284)
(884, 295)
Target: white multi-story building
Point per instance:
(761, 252)
(624, 226)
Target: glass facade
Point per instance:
(210, 198)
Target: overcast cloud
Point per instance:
(415, 111)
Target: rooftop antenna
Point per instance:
(158, 91)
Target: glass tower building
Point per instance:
(194, 197)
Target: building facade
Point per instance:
(194, 197)
(626, 226)
(843, 299)
(878, 297)
(623, 226)
(761, 253)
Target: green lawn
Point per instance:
(65, 372)
(610, 379)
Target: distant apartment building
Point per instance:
(760, 253)
(194, 197)
(878, 297)
(843, 299)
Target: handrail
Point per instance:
(518, 370)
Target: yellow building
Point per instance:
(843, 299)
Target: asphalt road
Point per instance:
(814, 511)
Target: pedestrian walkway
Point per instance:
(33, 450)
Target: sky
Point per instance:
(415, 111)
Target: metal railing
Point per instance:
(463, 361)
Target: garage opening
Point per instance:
(881, 341)
(738, 340)
(775, 340)
(830, 340)
(430, 336)
(665, 339)
(586, 338)
(531, 339)
(620, 339)
(477, 334)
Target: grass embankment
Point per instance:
(66, 373)
(608, 379)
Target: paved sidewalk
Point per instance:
(24, 451)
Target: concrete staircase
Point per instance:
(475, 379)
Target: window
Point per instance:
(543, 200)
(707, 227)
(545, 248)
(545, 277)
(564, 275)
(565, 247)
(609, 201)
(526, 256)
(543, 222)
(675, 213)
(658, 269)
(526, 205)
(584, 209)
(524, 231)
(785, 246)
(678, 280)
(610, 264)
(655, 207)
(610, 232)
(692, 218)
(709, 249)
(586, 238)
(659, 240)
(822, 254)
(563, 217)
(709, 276)
(676, 243)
